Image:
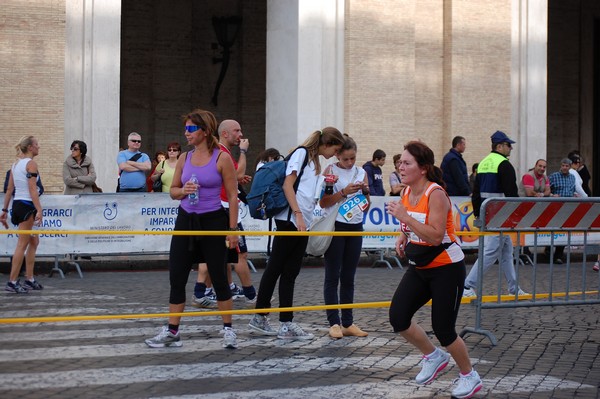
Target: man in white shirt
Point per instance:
(576, 163)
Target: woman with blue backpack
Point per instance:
(300, 185)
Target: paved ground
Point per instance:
(542, 352)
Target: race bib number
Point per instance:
(352, 205)
(421, 218)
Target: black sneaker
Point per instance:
(32, 285)
(17, 288)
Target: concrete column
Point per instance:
(529, 81)
(92, 82)
(305, 69)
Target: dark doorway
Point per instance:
(171, 62)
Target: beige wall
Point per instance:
(32, 42)
(430, 70)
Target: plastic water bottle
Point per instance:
(193, 197)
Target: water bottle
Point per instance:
(193, 197)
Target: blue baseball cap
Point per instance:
(501, 137)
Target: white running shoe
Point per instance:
(229, 338)
(431, 367)
(165, 338)
(468, 385)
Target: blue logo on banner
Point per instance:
(110, 211)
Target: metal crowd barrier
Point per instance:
(536, 223)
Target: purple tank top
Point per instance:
(210, 182)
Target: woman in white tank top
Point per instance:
(26, 212)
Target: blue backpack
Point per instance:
(266, 197)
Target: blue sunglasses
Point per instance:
(193, 128)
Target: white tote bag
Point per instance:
(317, 245)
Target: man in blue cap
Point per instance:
(496, 177)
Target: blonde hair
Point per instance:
(24, 144)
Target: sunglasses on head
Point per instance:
(136, 141)
(193, 128)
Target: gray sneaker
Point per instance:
(291, 330)
(207, 301)
(468, 385)
(261, 324)
(229, 338)
(16, 287)
(469, 293)
(164, 338)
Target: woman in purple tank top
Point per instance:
(205, 214)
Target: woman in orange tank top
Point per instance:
(436, 269)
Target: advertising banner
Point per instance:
(125, 212)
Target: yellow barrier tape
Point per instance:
(50, 319)
(364, 305)
(223, 233)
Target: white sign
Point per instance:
(125, 212)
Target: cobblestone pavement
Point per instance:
(542, 352)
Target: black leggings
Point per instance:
(443, 285)
(187, 250)
(283, 265)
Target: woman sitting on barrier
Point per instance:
(285, 261)
(79, 173)
(436, 269)
(26, 212)
(343, 254)
(201, 210)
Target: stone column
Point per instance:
(305, 69)
(92, 82)
(529, 81)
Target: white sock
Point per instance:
(232, 285)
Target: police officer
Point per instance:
(496, 177)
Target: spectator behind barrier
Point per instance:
(166, 168)
(133, 166)
(79, 174)
(374, 173)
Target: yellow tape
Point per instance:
(364, 305)
(224, 233)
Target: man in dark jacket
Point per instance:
(454, 169)
(374, 173)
